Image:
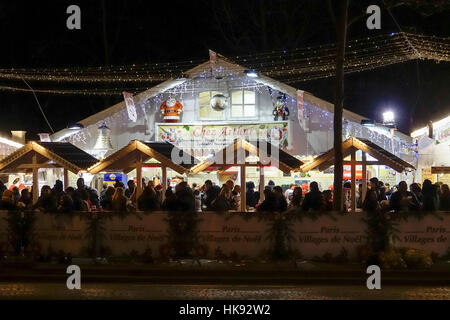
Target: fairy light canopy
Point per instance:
(289, 66)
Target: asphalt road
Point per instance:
(177, 292)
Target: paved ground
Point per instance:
(176, 292)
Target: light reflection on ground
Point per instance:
(176, 292)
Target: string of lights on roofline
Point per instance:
(364, 51)
(233, 74)
(318, 117)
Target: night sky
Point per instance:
(34, 35)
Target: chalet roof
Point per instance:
(287, 162)
(221, 64)
(326, 159)
(56, 154)
(137, 151)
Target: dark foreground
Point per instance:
(224, 292)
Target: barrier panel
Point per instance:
(323, 236)
(135, 233)
(67, 233)
(230, 235)
(430, 233)
(330, 236)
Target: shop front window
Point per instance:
(205, 110)
(243, 104)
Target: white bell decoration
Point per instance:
(103, 143)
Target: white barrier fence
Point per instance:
(430, 234)
(223, 236)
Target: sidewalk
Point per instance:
(214, 272)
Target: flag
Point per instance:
(131, 108)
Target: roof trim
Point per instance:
(327, 158)
(133, 146)
(238, 144)
(36, 147)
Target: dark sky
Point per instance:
(34, 35)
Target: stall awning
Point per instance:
(47, 155)
(383, 156)
(240, 149)
(138, 152)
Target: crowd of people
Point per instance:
(425, 197)
(211, 197)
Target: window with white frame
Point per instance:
(204, 105)
(243, 104)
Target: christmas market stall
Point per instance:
(52, 158)
(244, 154)
(140, 155)
(359, 150)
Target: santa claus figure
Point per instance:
(171, 110)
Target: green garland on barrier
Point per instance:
(382, 231)
(20, 229)
(182, 234)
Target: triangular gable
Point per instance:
(240, 149)
(224, 64)
(21, 159)
(326, 159)
(127, 158)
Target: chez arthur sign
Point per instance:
(218, 136)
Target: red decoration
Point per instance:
(171, 110)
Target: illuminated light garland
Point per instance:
(291, 66)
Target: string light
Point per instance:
(289, 66)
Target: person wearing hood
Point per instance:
(313, 199)
(58, 190)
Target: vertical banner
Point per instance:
(301, 118)
(212, 59)
(44, 137)
(131, 108)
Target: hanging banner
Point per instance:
(300, 107)
(44, 137)
(212, 59)
(131, 108)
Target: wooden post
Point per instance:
(261, 183)
(339, 104)
(139, 179)
(353, 192)
(243, 199)
(364, 177)
(66, 178)
(164, 181)
(35, 179)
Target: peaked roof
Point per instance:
(326, 159)
(222, 63)
(241, 149)
(63, 154)
(137, 151)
